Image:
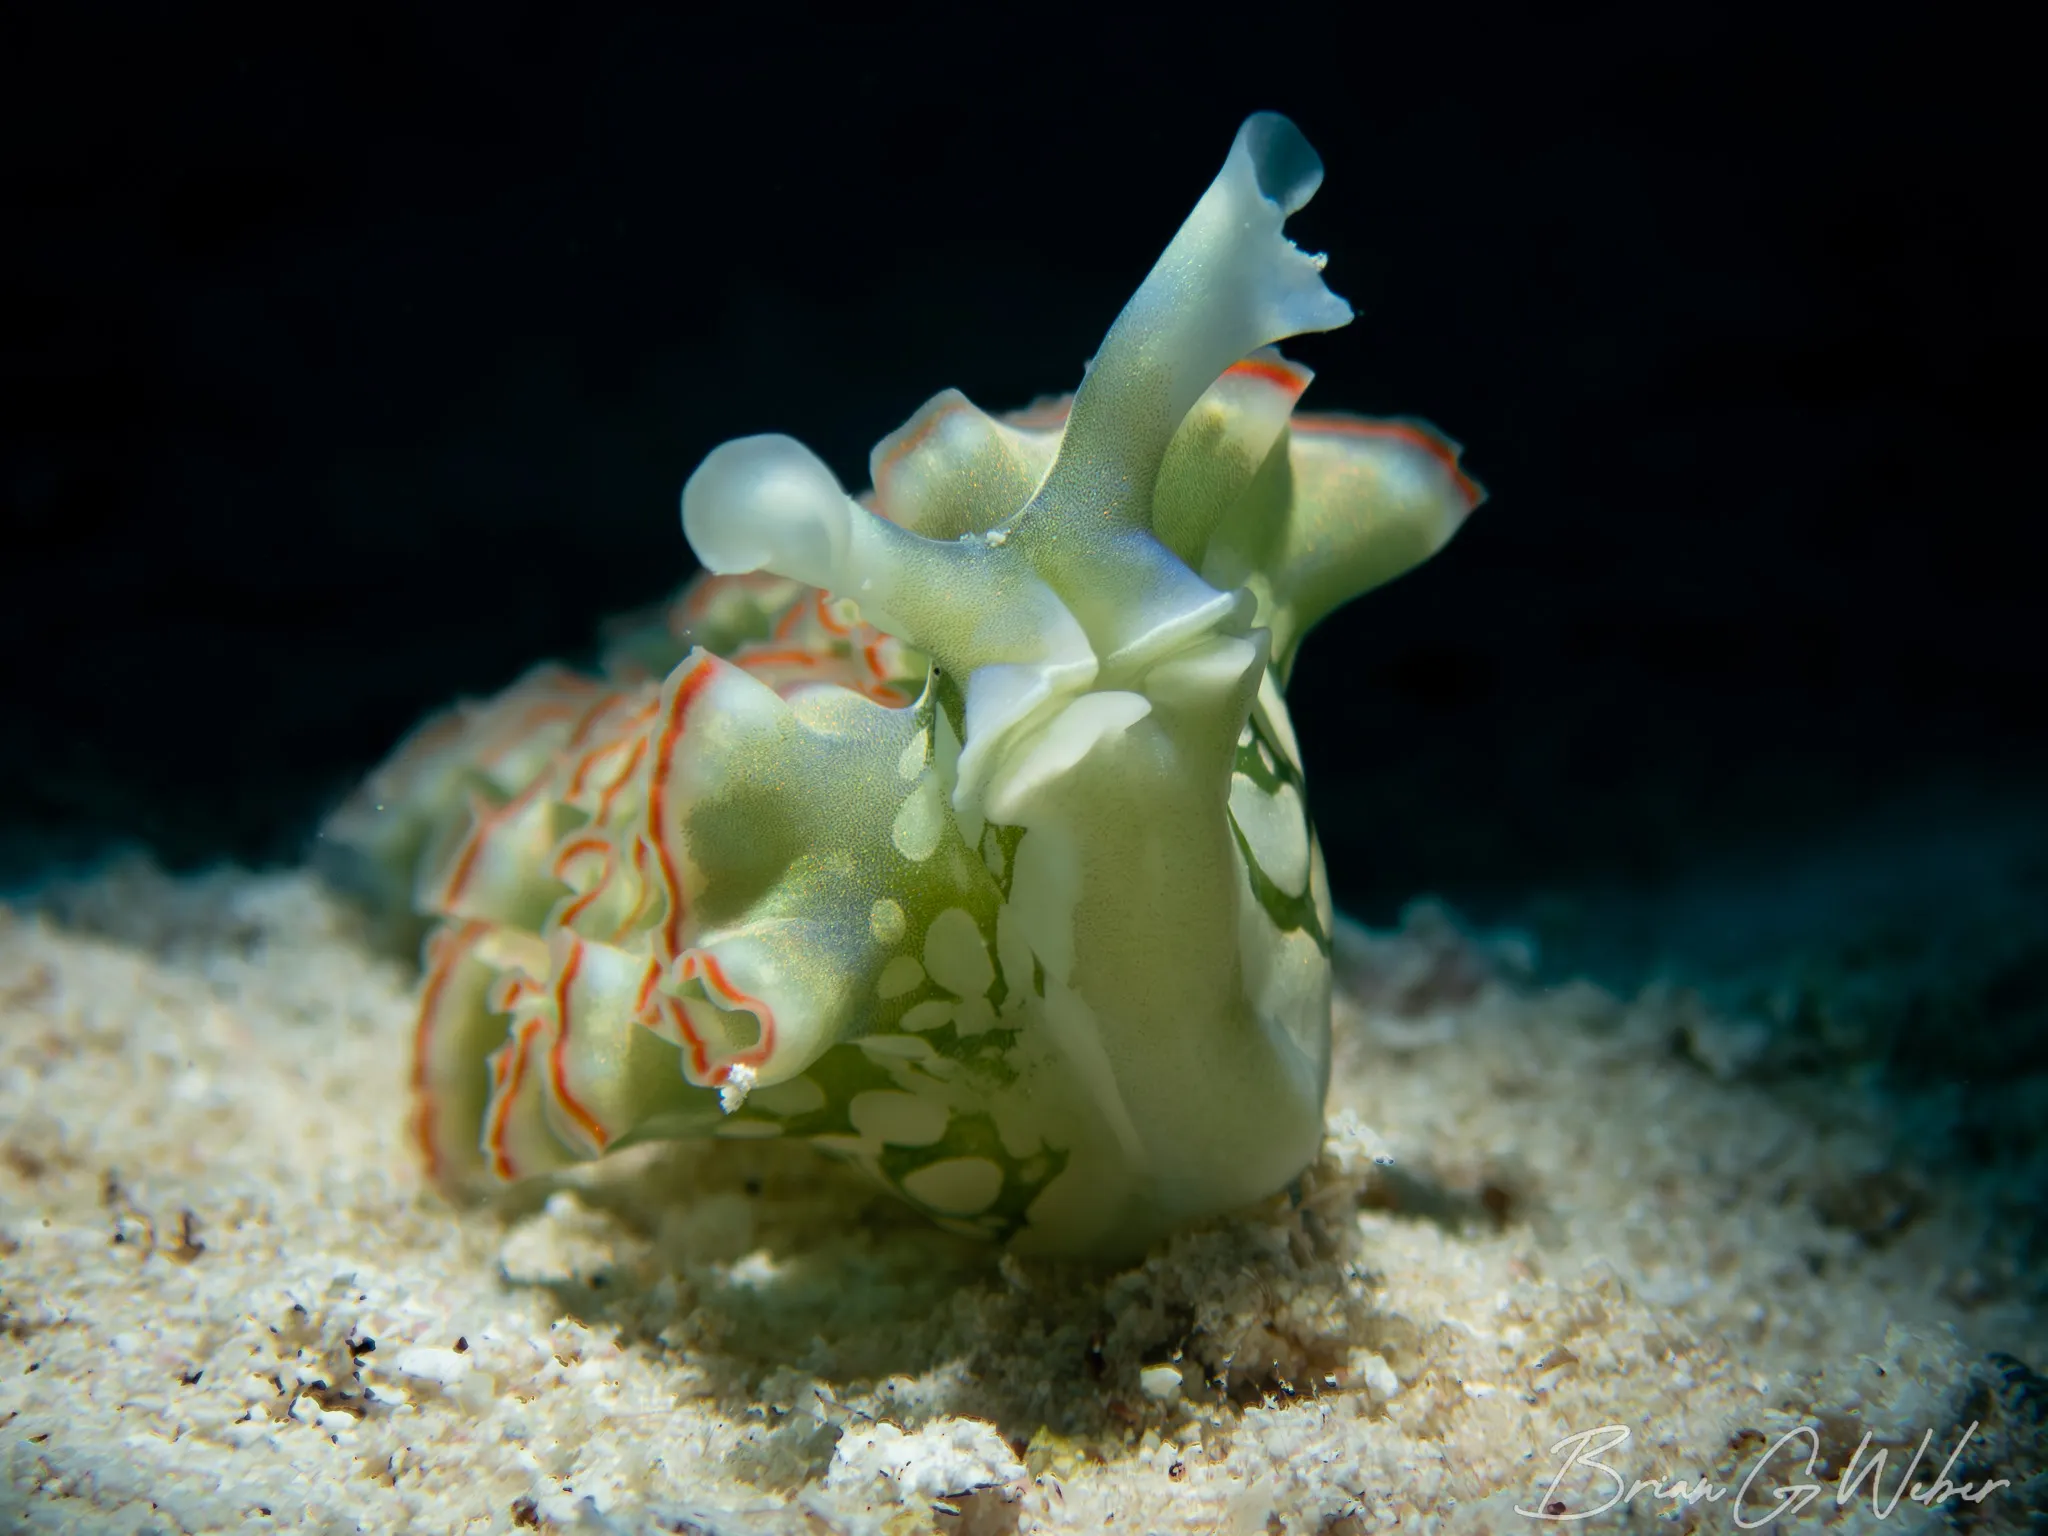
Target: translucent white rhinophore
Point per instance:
(958, 830)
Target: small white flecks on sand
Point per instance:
(227, 1303)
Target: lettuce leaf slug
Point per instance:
(959, 829)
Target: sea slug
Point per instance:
(959, 829)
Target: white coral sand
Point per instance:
(227, 1302)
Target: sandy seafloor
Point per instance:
(227, 1302)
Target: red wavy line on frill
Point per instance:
(632, 765)
(632, 919)
(786, 626)
(671, 731)
(702, 965)
(445, 951)
(911, 444)
(830, 621)
(558, 1068)
(1292, 378)
(1416, 435)
(506, 1082)
(688, 687)
(484, 819)
(571, 850)
(750, 658)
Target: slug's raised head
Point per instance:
(968, 841)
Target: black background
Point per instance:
(353, 364)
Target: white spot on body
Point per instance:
(902, 974)
(1278, 723)
(887, 922)
(919, 822)
(798, 1096)
(911, 763)
(958, 1186)
(896, 1047)
(956, 954)
(1276, 827)
(946, 760)
(973, 1016)
(1018, 1124)
(1287, 979)
(932, 1015)
(900, 1119)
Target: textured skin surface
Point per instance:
(959, 830)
